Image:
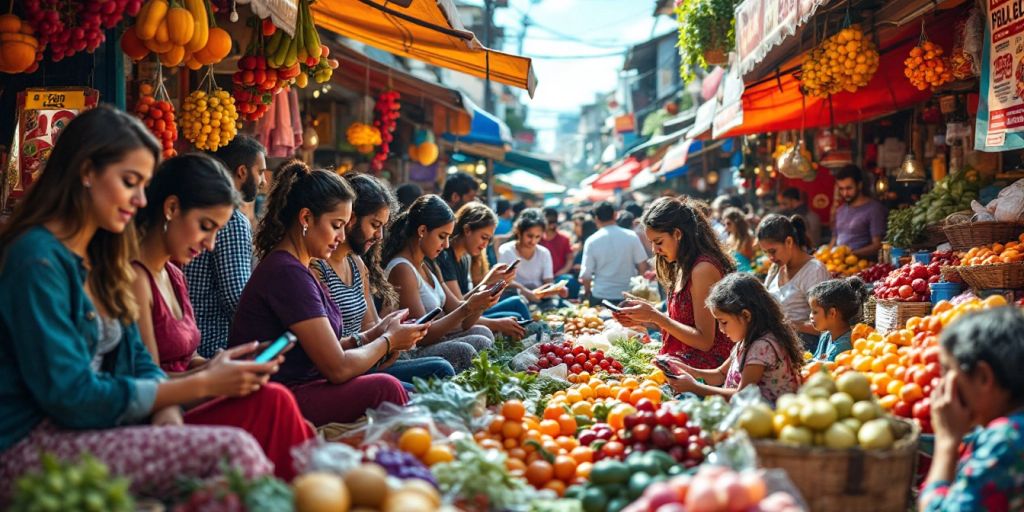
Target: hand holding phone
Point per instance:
(666, 368)
(524, 322)
(497, 288)
(610, 306)
(429, 316)
(513, 265)
(278, 347)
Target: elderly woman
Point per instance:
(978, 416)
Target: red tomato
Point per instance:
(902, 409)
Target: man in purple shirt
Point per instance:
(860, 221)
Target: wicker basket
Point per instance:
(951, 274)
(869, 311)
(997, 275)
(848, 480)
(932, 237)
(965, 235)
(891, 315)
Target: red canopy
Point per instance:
(618, 176)
(775, 105)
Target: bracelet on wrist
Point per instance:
(358, 338)
(387, 340)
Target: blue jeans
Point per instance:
(423, 367)
(512, 306)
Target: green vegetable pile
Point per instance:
(613, 484)
(60, 486)
(636, 357)
(480, 479)
(950, 194)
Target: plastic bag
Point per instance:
(319, 455)
(747, 396)
(1008, 206)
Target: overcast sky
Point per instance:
(609, 26)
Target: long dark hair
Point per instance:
(429, 210)
(777, 228)
(740, 291)
(296, 186)
(742, 227)
(472, 216)
(529, 218)
(94, 140)
(371, 196)
(196, 179)
(668, 214)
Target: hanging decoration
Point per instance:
(363, 137)
(925, 66)
(424, 149)
(844, 62)
(157, 113)
(19, 49)
(209, 120)
(386, 112)
(183, 34)
(71, 26)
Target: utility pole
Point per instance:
(488, 42)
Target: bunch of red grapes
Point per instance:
(72, 26)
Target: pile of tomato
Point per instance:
(577, 358)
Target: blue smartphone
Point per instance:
(276, 348)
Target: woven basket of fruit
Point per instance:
(951, 274)
(868, 316)
(965, 235)
(850, 479)
(996, 275)
(891, 315)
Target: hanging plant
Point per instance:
(706, 33)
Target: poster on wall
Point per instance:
(41, 115)
(1000, 121)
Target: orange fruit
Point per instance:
(582, 454)
(573, 395)
(623, 395)
(550, 427)
(515, 466)
(438, 453)
(887, 402)
(556, 485)
(583, 409)
(602, 391)
(894, 387)
(513, 410)
(517, 453)
(630, 383)
(583, 470)
(567, 443)
(567, 424)
(565, 468)
(651, 393)
(617, 416)
(911, 392)
(496, 424)
(416, 440)
(510, 443)
(586, 391)
(512, 429)
(552, 411)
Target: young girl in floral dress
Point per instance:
(766, 351)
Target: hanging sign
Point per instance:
(1000, 121)
(729, 111)
(42, 114)
(764, 24)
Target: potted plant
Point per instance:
(706, 33)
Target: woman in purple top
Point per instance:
(306, 216)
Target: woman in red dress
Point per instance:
(690, 260)
(190, 198)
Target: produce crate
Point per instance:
(962, 236)
(997, 275)
(853, 479)
(892, 315)
(869, 311)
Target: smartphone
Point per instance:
(276, 348)
(666, 368)
(496, 289)
(513, 265)
(429, 316)
(610, 306)
(524, 322)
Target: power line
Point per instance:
(577, 57)
(569, 37)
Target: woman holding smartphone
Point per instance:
(690, 261)
(189, 199)
(534, 272)
(307, 212)
(348, 277)
(76, 377)
(417, 237)
(474, 228)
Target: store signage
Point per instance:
(1000, 122)
(41, 115)
(729, 111)
(764, 24)
(625, 124)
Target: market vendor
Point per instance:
(978, 416)
(860, 220)
(690, 261)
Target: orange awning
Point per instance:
(426, 30)
(774, 104)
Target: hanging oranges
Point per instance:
(845, 61)
(926, 67)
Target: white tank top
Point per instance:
(430, 297)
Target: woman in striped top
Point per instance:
(343, 275)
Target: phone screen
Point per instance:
(429, 316)
(666, 368)
(513, 265)
(276, 348)
(496, 288)
(610, 306)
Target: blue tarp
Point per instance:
(485, 128)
